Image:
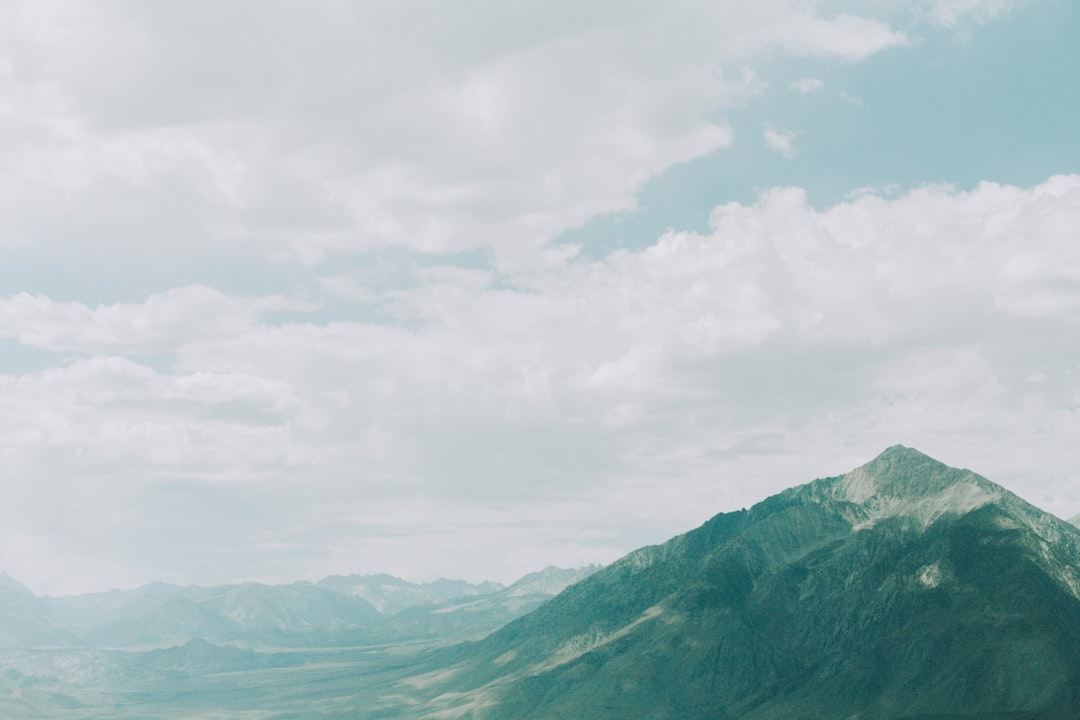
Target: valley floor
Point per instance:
(272, 684)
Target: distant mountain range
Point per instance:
(25, 620)
(339, 610)
(475, 615)
(391, 595)
(903, 589)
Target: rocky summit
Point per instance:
(903, 589)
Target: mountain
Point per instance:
(254, 607)
(25, 620)
(250, 612)
(475, 616)
(82, 613)
(160, 613)
(333, 612)
(903, 589)
(200, 657)
(1075, 520)
(549, 581)
(391, 595)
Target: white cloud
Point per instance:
(890, 190)
(808, 85)
(856, 101)
(162, 322)
(398, 173)
(956, 13)
(780, 140)
(311, 134)
(847, 36)
(115, 413)
(783, 343)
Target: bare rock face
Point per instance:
(903, 589)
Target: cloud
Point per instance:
(310, 134)
(162, 322)
(890, 190)
(957, 13)
(784, 338)
(293, 301)
(848, 36)
(856, 101)
(808, 85)
(782, 141)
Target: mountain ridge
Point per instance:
(333, 612)
(903, 588)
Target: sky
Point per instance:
(290, 289)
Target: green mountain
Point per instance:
(903, 589)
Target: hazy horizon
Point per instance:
(313, 580)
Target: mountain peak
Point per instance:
(902, 481)
(828, 600)
(551, 580)
(903, 454)
(6, 581)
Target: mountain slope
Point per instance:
(391, 595)
(475, 616)
(549, 581)
(274, 614)
(903, 589)
(332, 612)
(25, 621)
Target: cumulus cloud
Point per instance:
(289, 286)
(780, 140)
(784, 341)
(162, 322)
